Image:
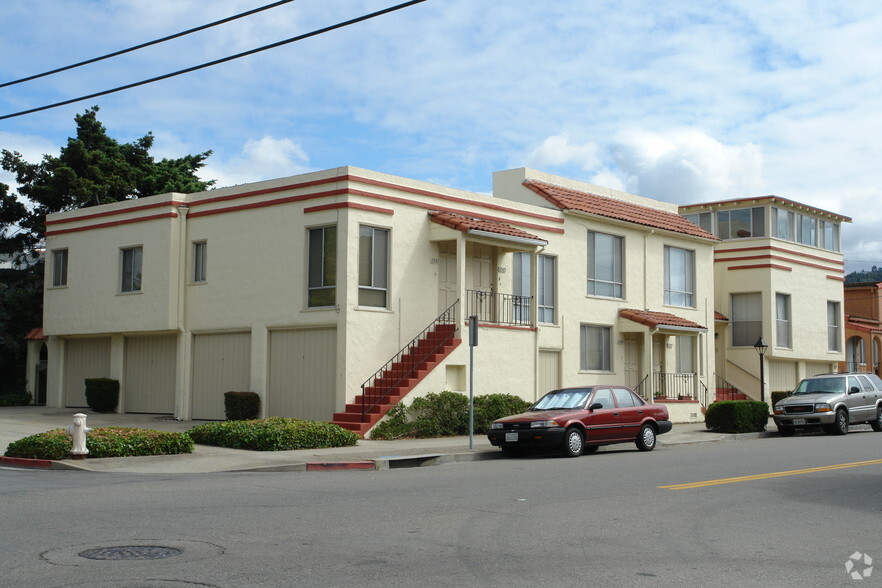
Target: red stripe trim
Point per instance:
(113, 223)
(761, 265)
(837, 278)
(356, 205)
(266, 203)
(113, 212)
(779, 258)
(782, 250)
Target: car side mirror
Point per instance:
(854, 390)
(595, 406)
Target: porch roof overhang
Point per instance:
(661, 320)
(36, 335)
(484, 228)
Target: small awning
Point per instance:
(485, 228)
(662, 320)
(35, 335)
(720, 317)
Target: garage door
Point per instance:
(221, 363)
(150, 374)
(303, 374)
(84, 358)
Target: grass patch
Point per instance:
(273, 434)
(102, 442)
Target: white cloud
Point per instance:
(259, 159)
(557, 150)
(685, 166)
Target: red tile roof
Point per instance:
(468, 223)
(35, 335)
(653, 319)
(569, 199)
(719, 316)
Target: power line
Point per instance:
(148, 44)
(219, 61)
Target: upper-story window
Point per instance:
(200, 259)
(747, 319)
(741, 223)
(605, 276)
(679, 277)
(783, 223)
(131, 269)
(806, 230)
(782, 320)
(322, 272)
(829, 235)
(373, 266)
(702, 219)
(834, 326)
(547, 283)
(59, 268)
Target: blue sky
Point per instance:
(683, 101)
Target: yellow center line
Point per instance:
(706, 483)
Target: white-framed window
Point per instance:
(855, 354)
(59, 268)
(806, 230)
(747, 319)
(131, 269)
(702, 219)
(828, 232)
(322, 270)
(679, 277)
(834, 326)
(685, 355)
(521, 287)
(595, 348)
(200, 259)
(373, 266)
(783, 223)
(782, 321)
(741, 223)
(605, 265)
(547, 289)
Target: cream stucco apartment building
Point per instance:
(302, 288)
(779, 275)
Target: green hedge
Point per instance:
(446, 414)
(273, 434)
(21, 398)
(737, 416)
(778, 397)
(241, 406)
(102, 394)
(102, 442)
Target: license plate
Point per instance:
(798, 421)
(511, 437)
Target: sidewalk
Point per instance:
(17, 422)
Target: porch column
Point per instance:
(534, 288)
(117, 368)
(55, 372)
(460, 281)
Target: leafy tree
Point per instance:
(91, 169)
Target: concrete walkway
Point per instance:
(17, 422)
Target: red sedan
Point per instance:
(579, 420)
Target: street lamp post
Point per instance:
(761, 347)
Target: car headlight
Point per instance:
(543, 424)
(779, 410)
(495, 425)
(823, 408)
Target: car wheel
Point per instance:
(646, 439)
(840, 425)
(573, 443)
(786, 431)
(877, 422)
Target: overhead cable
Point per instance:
(218, 61)
(148, 44)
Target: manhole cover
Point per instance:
(128, 552)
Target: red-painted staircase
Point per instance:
(729, 394)
(398, 377)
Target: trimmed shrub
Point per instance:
(445, 414)
(273, 434)
(102, 442)
(102, 394)
(737, 416)
(778, 396)
(241, 406)
(20, 398)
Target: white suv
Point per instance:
(831, 401)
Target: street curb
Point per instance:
(327, 466)
(23, 462)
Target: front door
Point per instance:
(632, 362)
(446, 275)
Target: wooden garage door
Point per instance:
(549, 371)
(84, 358)
(150, 374)
(303, 369)
(221, 363)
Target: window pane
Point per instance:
(59, 268)
(747, 321)
(316, 249)
(595, 348)
(381, 258)
(199, 258)
(322, 270)
(605, 265)
(739, 223)
(365, 252)
(759, 222)
(546, 300)
(679, 277)
(782, 320)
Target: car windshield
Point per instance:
(821, 386)
(563, 399)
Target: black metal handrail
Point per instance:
(406, 362)
(639, 388)
(497, 308)
(729, 391)
(674, 386)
